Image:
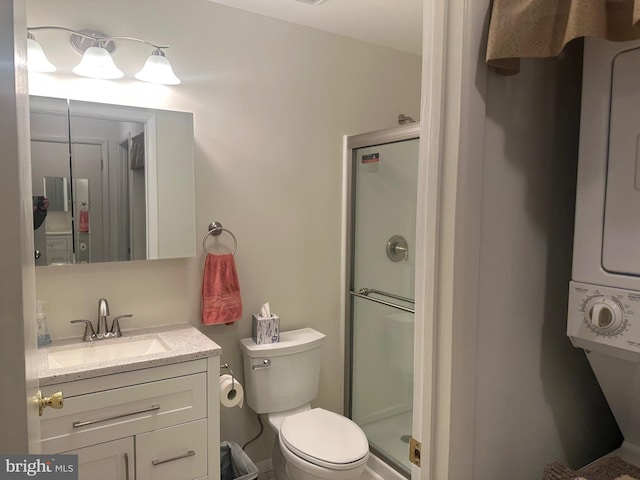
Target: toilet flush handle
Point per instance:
(265, 363)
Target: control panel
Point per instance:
(604, 316)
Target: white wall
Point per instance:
(271, 102)
(536, 397)
(18, 365)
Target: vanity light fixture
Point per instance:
(97, 62)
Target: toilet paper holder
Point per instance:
(233, 377)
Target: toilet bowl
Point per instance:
(312, 443)
(319, 444)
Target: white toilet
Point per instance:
(281, 379)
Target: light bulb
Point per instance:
(97, 63)
(37, 61)
(157, 69)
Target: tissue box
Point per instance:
(265, 329)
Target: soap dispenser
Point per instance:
(43, 332)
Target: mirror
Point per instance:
(57, 190)
(118, 182)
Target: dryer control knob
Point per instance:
(604, 315)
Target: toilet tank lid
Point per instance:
(293, 341)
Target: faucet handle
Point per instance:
(115, 326)
(89, 332)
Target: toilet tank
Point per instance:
(284, 375)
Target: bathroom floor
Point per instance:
(391, 435)
(367, 475)
(266, 475)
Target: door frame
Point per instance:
(18, 349)
(453, 116)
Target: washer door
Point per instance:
(325, 438)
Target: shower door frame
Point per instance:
(352, 143)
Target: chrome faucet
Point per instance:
(102, 331)
(103, 313)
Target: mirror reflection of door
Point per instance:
(82, 227)
(88, 210)
(49, 158)
(95, 156)
(135, 225)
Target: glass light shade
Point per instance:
(97, 63)
(157, 69)
(37, 61)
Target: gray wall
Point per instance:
(537, 399)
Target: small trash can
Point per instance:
(235, 464)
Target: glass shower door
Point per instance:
(383, 218)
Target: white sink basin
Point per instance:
(117, 349)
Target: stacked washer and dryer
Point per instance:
(604, 296)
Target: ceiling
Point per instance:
(392, 23)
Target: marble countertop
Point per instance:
(183, 342)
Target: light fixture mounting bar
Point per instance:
(97, 38)
(84, 39)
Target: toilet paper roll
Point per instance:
(231, 397)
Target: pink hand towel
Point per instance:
(84, 221)
(221, 301)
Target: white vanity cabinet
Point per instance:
(107, 461)
(155, 423)
(59, 248)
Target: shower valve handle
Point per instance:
(397, 248)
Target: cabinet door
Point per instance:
(174, 453)
(106, 461)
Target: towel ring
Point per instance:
(215, 228)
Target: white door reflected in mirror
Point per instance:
(119, 182)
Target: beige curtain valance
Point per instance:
(541, 28)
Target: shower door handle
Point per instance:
(364, 293)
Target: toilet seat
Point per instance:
(325, 439)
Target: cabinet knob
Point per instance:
(56, 400)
